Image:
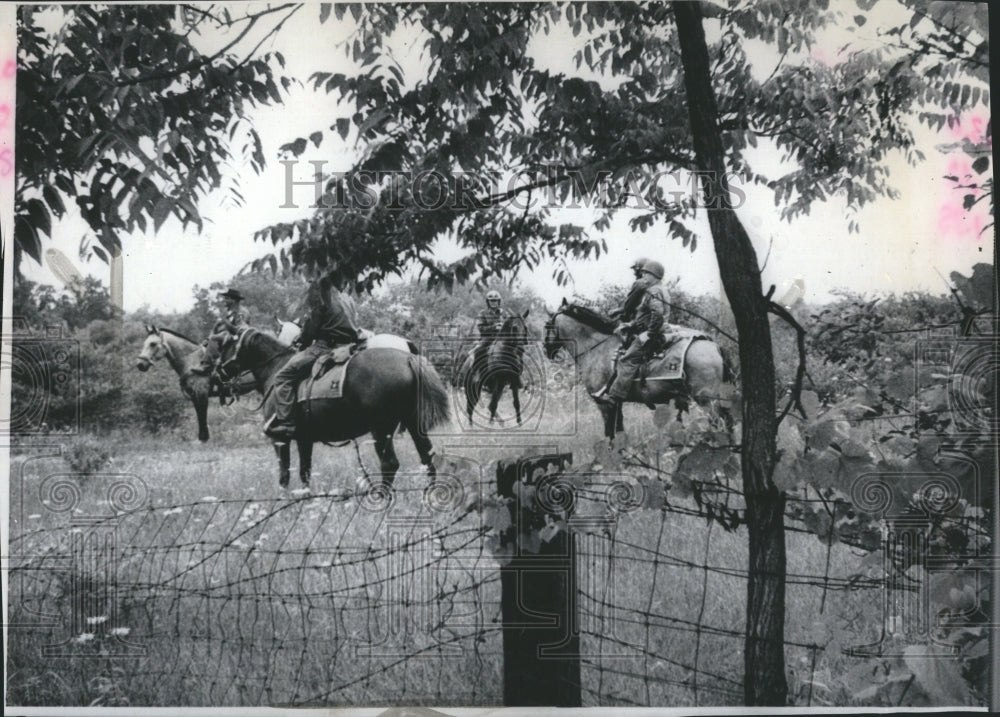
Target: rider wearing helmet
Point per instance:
(232, 316)
(635, 293)
(489, 322)
(644, 330)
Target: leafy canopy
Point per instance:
(121, 113)
(482, 103)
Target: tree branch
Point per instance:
(201, 62)
(795, 400)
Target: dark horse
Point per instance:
(383, 389)
(504, 366)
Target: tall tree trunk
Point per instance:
(764, 656)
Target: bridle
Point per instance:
(552, 337)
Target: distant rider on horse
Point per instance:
(331, 321)
(232, 318)
(644, 331)
(489, 322)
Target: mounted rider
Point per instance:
(489, 323)
(331, 322)
(232, 317)
(635, 293)
(643, 334)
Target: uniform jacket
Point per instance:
(632, 300)
(333, 318)
(490, 320)
(651, 313)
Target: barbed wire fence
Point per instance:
(341, 598)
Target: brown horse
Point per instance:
(383, 389)
(590, 339)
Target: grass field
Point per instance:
(214, 587)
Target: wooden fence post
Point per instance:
(541, 641)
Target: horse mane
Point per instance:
(589, 317)
(178, 334)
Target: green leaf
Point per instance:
(316, 138)
(343, 127)
(981, 165)
(324, 11)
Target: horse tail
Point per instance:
(433, 402)
(727, 366)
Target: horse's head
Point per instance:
(514, 331)
(247, 350)
(232, 354)
(153, 348)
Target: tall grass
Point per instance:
(220, 589)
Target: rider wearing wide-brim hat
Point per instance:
(232, 318)
(644, 330)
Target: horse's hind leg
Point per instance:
(387, 457)
(619, 419)
(424, 447)
(283, 451)
(305, 460)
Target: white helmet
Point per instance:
(493, 296)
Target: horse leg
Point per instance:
(619, 419)
(515, 395)
(305, 460)
(609, 415)
(496, 392)
(424, 447)
(201, 411)
(283, 451)
(387, 457)
(472, 391)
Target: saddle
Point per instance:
(667, 361)
(326, 378)
(338, 355)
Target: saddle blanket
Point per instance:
(326, 379)
(668, 364)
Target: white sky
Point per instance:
(901, 246)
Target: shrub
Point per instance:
(87, 456)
